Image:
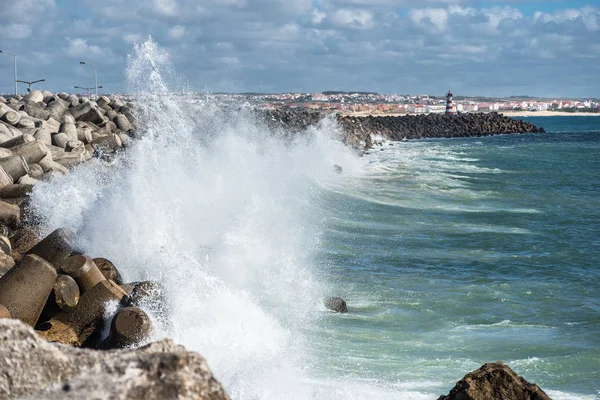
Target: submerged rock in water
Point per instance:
(494, 381)
(336, 304)
(41, 370)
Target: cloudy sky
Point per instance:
(474, 47)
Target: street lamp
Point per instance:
(95, 78)
(31, 83)
(15, 59)
(88, 89)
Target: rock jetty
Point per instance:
(358, 132)
(55, 341)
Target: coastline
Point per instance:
(117, 130)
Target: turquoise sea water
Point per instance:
(456, 252)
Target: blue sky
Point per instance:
(473, 47)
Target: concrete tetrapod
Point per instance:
(84, 271)
(129, 326)
(55, 248)
(63, 297)
(108, 269)
(76, 326)
(15, 166)
(25, 288)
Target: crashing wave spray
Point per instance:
(223, 214)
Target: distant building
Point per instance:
(429, 108)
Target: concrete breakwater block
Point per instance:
(17, 140)
(25, 288)
(16, 190)
(63, 297)
(32, 152)
(129, 326)
(11, 117)
(55, 248)
(83, 270)
(5, 179)
(35, 96)
(15, 166)
(10, 215)
(76, 326)
(149, 295)
(108, 269)
(108, 143)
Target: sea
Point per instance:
(450, 253)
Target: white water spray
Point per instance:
(224, 214)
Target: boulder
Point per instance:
(336, 304)
(494, 381)
(41, 370)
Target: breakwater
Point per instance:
(359, 132)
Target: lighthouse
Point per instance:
(449, 106)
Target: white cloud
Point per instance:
(355, 19)
(79, 47)
(436, 18)
(589, 16)
(167, 8)
(317, 17)
(496, 15)
(18, 17)
(15, 31)
(176, 32)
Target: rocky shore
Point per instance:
(56, 337)
(359, 132)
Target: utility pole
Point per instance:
(31, 83)
(95, 78)
(15, 61)
(88, 89)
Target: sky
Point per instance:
(472, 47)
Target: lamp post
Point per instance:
(95, 78)
(15, 60)
(31, 83)
(88, 89)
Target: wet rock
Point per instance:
(25, 288)
(63, 297)
(494, 381)
(336, 304)
(82, 325)
(83, 270)
(129, 326)
(42, 370)
(55, 248)
(108, 269)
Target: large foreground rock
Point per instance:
(495, 381)
(35, 369)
